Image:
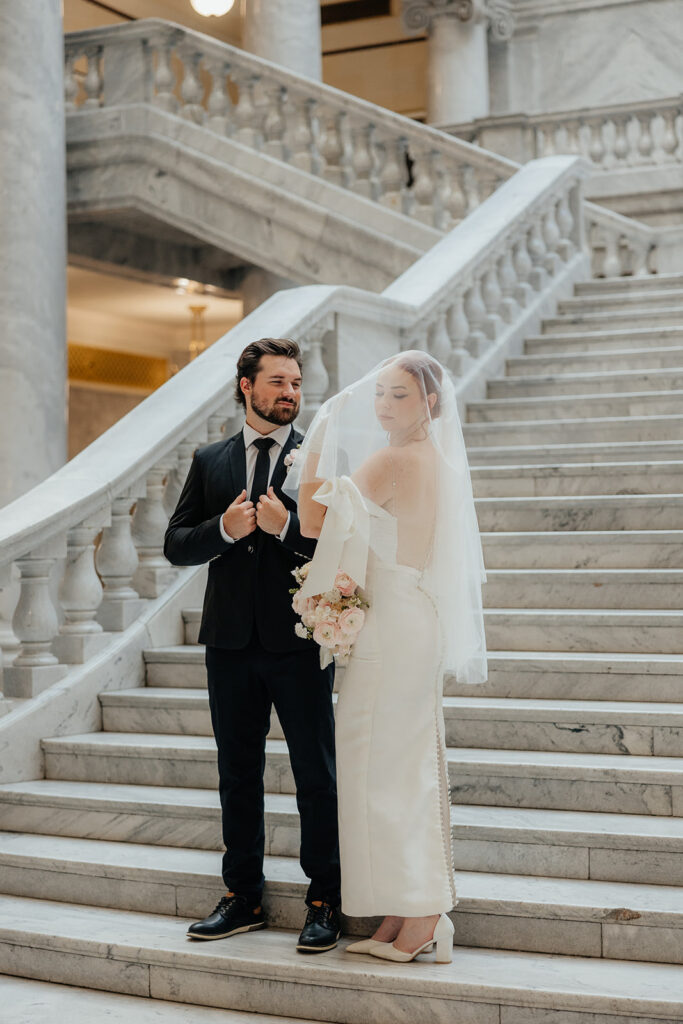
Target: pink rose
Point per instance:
(344, 584)
(351, 621)
(327, 634)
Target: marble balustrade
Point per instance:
(98, 522)
(648, 133)
(356, 145)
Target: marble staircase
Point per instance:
(566, 766)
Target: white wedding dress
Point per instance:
(392, 782)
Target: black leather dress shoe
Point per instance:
(232, 915)
(321, 931)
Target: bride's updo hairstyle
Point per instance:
(428, 374)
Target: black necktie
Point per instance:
(262, 469)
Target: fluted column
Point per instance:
(32, 246)
(458, 67)
(286, 32)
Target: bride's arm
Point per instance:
(311, 513)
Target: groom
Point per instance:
(232, 513)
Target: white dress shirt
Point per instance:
(280, 437)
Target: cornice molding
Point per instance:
(531, 10)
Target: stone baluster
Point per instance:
(507, 279)
(670, 135)
(275, 122)
(180, 462)
(438, 339)
(35, 624)
(335, 149)
(116, 562)
(457, 204)
(392, 178)
(80, 594)
(9, 645)
(191, 89)
(424, 185)
(92, 83)
(71, 88)
(470, 188)
(596, 147)
(364, 161)
(443, 198)
(612, 266)
(573, 136)
(621, 147)
(639, 252)
(153, 574)
(215, 428)
(645, 140)
(246, 115)
(458, 329)
(316, 379)
(551, 238)
(218, 105)
(302, 134)
(565, 223)
(475, 311)
(164, 77)
(521, 260)
(537, 251)
(492, 295)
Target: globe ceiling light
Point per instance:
(212, 8)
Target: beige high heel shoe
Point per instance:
(443, 938)
(363, 946)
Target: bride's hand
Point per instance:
(271, 514)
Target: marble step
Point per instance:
(587, 382)
(581, 512)
(587, 631)
(27, 1001)
(151, 709)
(644, 849)
(528, 778)
(604, 302)
(606, 340)
(572, 407)
(567, 916)
(510, 840)
(587, 478)
(594, 362)
(507, 629)
(149, 954)
(670, 315)
(584, 589)
(585, 549)
(620, 285)
(565, 454)
(571, 431)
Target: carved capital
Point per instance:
(418, 15)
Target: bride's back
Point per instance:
(410, 479)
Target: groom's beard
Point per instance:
(280, 412)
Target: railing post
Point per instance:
(35, 624)
(126, 72)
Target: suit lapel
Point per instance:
(237, 464)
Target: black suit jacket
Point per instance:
(249, 580)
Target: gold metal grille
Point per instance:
(120, 369)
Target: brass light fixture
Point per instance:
(197, 331)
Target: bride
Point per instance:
(382, 480)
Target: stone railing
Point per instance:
(620, 246)
(643, 134)
(356, 145)
(87, 542)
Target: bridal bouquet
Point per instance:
(333, 620)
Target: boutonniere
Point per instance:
(291, 456)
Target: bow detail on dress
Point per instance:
(344, 538)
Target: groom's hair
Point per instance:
(249, 363)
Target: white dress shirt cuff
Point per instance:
(281, 536)
(224, 534)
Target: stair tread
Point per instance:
(537, 979)
(175, 865)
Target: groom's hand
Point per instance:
(239, 519)
(271, 514)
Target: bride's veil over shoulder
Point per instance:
(403, 449)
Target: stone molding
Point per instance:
(418, 15)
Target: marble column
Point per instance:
(33, 409)
(286, 32)
(458, 66)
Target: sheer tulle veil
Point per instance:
(348, 431)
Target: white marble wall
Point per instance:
(575, 55)
(32, 246)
